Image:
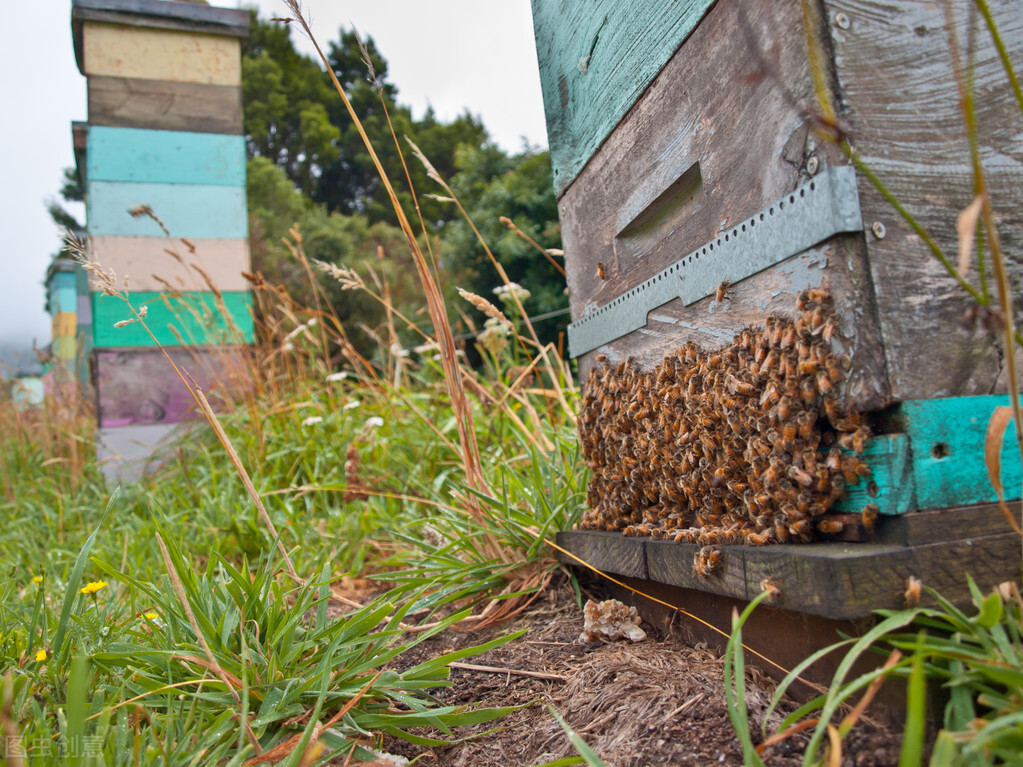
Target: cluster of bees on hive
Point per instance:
(745, 444)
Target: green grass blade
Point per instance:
(912, 752)
(578, 743)
(71, 592)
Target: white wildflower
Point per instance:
(398, 351)
(312, 420)
(337, 376)
(494, 337)
(505, 292)
(374, 422)
(351, 405)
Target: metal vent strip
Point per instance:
(828, 205)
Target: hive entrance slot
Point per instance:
(650, 222)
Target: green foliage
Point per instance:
(978, 660)
(491, 185)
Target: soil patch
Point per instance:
(655, 702)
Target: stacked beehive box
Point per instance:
(702, 190)
(164, 170)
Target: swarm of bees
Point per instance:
(746, 444)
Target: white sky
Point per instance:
(452, 54)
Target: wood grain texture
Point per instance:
(141, 155)
(187, 319)
(947, 437)
(961, 524)
(596, 57)
(125, 454)
(834, 580)
(728, 105)
(160, 54)
(891, 484)
(187, 210)
(899, 96)
(608, 553)
(64, 324)
(158, 104)
(138, 386)
(148, 264)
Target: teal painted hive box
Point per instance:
(688, 148)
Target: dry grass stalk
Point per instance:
(435, 301)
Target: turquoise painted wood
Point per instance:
(947, 439)
(165, 157)
(596, 58)
(187, 210)
(189, 319)
(891, 484)
(62, 295)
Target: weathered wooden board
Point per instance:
(608, 553)
(891, 484)
(961, 524)
(160, 54)
(84, 312)
(947, 437)
(126, 453)
(158, 104)
(64, 347)
(61, 295)
(164, 157)
(898, 86)
(718, 136)
(139, 386)
(185, 319)
(187, 210)
(834, 580)
(157, 14)
(64, 324)
(148, 264)
(596, 58)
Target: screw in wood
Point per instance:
(878, 229)
(812, 165)
(842, 21)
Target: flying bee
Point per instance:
(914, 589)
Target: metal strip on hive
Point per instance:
(828, 205)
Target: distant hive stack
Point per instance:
(162, 157)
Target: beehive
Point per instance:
(702, 189)
(162, 157)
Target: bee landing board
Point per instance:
(821, 208)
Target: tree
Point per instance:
(286, 101)
(71, 190)
(490, 185)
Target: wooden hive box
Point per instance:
(687, 146)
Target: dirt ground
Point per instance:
(654, 702)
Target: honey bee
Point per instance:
(869, 515)
(760, 539)
(802, 477)
(914, 589)
(600, 270)
(722, 291)
(830, 526)
(707, 560)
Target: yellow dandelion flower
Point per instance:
(150, 616)
(92, 588)
(37, 579)
(41, 656)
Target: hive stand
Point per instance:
(164, 135)
(673, 126)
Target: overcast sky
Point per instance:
(453, 54)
